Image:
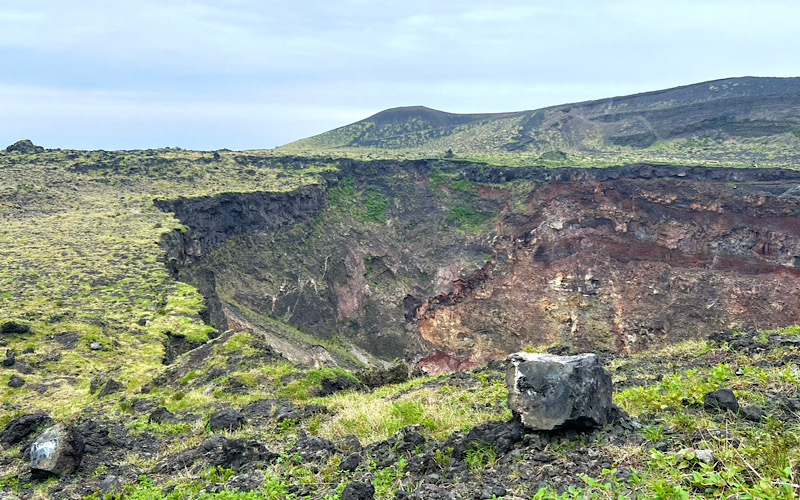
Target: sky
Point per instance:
(240, 74)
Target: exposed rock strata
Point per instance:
(617, 259)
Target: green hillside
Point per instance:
(736, 121)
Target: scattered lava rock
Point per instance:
(19, 429)
(218, 451)
(721, 400)
(15, 382)
(67, 339)
(358, 491)
(338, 384)
(501, 436)
(10, 359)
(14, 328)
(111, 484)
(111, 387)
(313, 448)
(752, 413)
(160, 416)
(351, 462)
(376, 377)
(226, 420)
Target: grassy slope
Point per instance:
(80, 261)
(657, 459)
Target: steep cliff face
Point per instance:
(450, 265)
(212, 220)
(623, 264)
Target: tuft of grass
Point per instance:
(380, 414)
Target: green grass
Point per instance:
(81, 254)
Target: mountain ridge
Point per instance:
(740, 114)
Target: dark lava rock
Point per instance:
(234, 453)
(16, 382)
(226, 420)
(338, 384)
(111, 484)
(752, 413)
(247, 482)
(25, 146)
(358, 491)
(19, 429)
(111, 387)
(432, 492)
(57, 451)
(501, 436)
(97, 437)
(350, 443)
(68, 339)
(313, 447)
(259, 412)
(350, 462)
(551, 392)
(10, 358)
(160, 415)
(721, 400)
(14, 328)
(219, 451)
(377, 377)
(287, 411)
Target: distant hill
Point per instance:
(735, 120)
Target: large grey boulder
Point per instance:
(58, 450)
(551, 392)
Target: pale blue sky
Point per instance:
(208, 74)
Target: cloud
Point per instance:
(307, 63)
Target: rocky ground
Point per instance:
(680, 442)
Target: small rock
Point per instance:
(661, 446)
(550, 392)
(349, 443)
(14, 328)
(111, 484)
(226, 420)
(96, 346)
(58, 450)
(160, 416)
(721, 400)
(705, 456)
(16, 382)
(752, 413)
(358, 491)
(19, 429)
(337, 384)
(350, 462)
(432, 492)
(10, 358)
(500, 436)
(111, 386)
